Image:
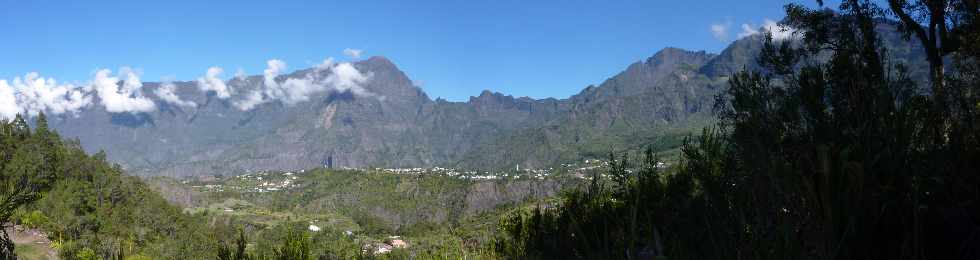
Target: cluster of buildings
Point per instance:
(384, 247)
(517, 173)
(259, 182)
(264, 181)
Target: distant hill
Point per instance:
(656, 101)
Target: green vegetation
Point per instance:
(30, 252)
(85, 204)
(359, 212)
(829, 151)
(91, 210)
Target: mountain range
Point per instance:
(654, 101)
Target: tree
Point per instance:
(225, 253)
(941, 26)
(21, 180)
(827, 152)
(296, 246)
(837, 156)
(41, 125)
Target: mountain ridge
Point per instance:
(393, 123)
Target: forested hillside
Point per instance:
(356, 213)
(829, 149)
(87, 206)
(91, 209)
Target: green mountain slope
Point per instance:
(85, 205)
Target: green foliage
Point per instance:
(27, 168)
(238, 253)
(86, 254)
(88, 206)
(432, 212)
(827, 152)
(296, 246)
(604, 221)
(34, 219)
(138, 257)
(377, 202)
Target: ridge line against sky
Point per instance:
(452, 50)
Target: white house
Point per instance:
(314, 228)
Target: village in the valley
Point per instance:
(272, 181)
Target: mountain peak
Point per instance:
(386, 79)
(671, 56)
(490, 97)
(379, 60)
(378, 63)
(671, 50)
(375, 63)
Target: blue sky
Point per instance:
(454, 49)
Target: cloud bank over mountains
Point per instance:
(34, 94)
(211, 82)
(341, 77)
(124, 92)
(778, 31)
(168, 93)
(126, 98)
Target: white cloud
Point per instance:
(211, 82)
(340, 77)
(347, 78)
(274, 68)
(353, 53)
(747, 30)
(254, 98)
(8, 101)
(720, 30)
(36, 94)
(324, 66)
(123, 92)
(779, 32)
(168, 93)
(298, 90)
(269, 90)
(240, 74)
(126, 98)
(272, 88)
